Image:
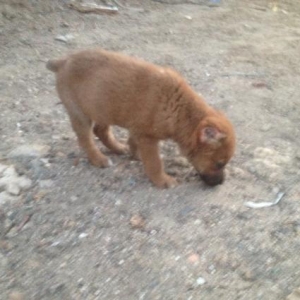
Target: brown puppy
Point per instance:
(101, 88)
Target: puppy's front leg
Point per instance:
(149, 152)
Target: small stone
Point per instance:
(24, 182)
(260, 84)
(248, 275)
(64, 38)
(31, 151)
(74, 198)
(13, 189)
(200, 281)
(118, 202)
(194, 258)
(83, 235)
(137, 221)
(181, 162)
(211, 269)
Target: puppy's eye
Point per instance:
(220, 165)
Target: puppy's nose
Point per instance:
(213, 180)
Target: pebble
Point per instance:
(74, 198)
(248, 275)
(194, 258)
(181, 162)
(83, 235)
(200, 281)
(64, 38)
(31, 151)
(137, 221)
(12, 183)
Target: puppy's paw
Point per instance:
(101, 161)
(165, 181)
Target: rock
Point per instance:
(8, 12)
(6, 197)
(13, 189)
(24, 183)
(137, 221)
(248, 275)
(181, 162)
(295, 295)
(12, 182)
(29, 151)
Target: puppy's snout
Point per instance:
(213, 179)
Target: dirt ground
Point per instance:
(66, 227)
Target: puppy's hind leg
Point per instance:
(83, 126)
(105, 135)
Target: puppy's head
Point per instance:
(213, 146)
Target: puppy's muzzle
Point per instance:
(213, 179)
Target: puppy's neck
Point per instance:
(192, 110)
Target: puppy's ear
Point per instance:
(211, 135)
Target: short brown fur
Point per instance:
(101, 88)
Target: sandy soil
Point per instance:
(67, 228)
